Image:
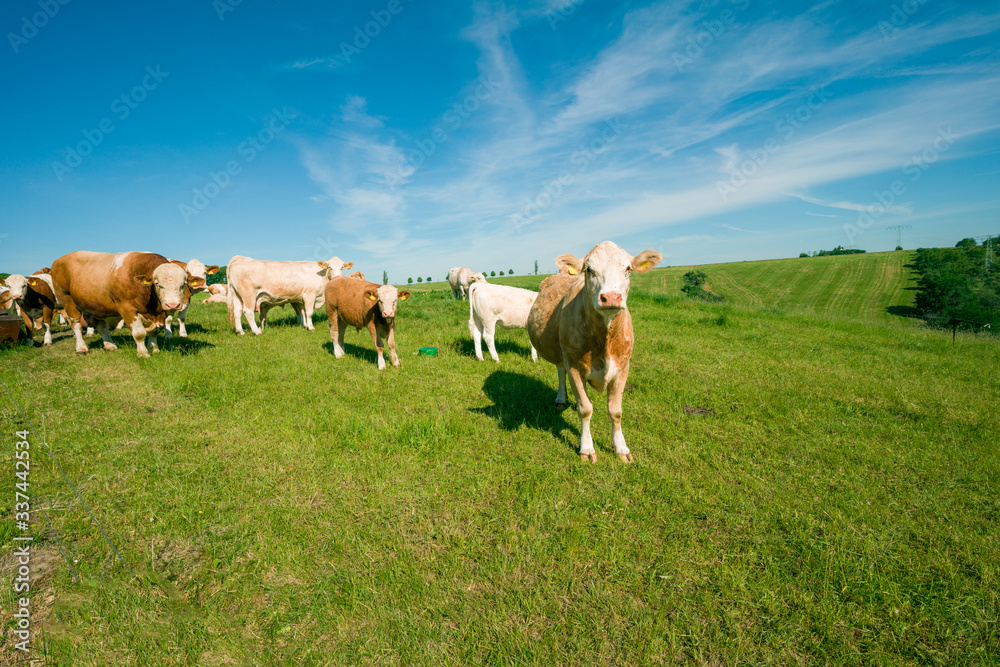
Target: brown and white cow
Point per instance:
(358, 275)
(6, 300)
(197, 281)
(359, 303)
(259, 285)
(37, 301)
(459, 278)
(490, 305)
(138, 287)
(581, 323)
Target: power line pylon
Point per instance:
(899, 233)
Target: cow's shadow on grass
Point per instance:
(184, 346)
(519, 400)
(467, 348)
(281, 317)
(364, 353)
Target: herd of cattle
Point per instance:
(578, 320)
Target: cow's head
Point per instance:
(17, 284)
(334, 267)
(477, 278)
(606, 271)
(387, 298)
(168, 281)
(358, 275)
(197, 275)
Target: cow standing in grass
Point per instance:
(359, 303)
(139, 287)
(490, 305)
(459, 278)
(258, 285)
(581, 323)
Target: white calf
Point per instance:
(490, 305)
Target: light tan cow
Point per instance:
(581, 323)
(359, 303)
(138, 287)
(490, 305)
(256, 286)
(219, 294)
(459, 278)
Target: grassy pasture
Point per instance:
(808, 489)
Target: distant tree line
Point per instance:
(958, 287)
(839, 250)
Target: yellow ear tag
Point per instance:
(572, 270)
(373, 297)
(645, 265)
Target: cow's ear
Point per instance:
(403, 296)
(210, 270)
(145, 280)
(323, 265)
(646, 260)
(33, 281)
(571, 264)
(44, 270)
(371, 294)
(196, 283)
(2, 281)
(348, 265)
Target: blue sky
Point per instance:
(411, 137)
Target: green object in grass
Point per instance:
(428, 351)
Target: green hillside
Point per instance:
(852, 286)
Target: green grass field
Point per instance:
(847, 286)
(814, 483)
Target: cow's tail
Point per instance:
(472, 316)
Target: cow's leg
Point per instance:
(167, 332)
(102, 328)
(307, 310)
(489, 331)
(300, 317)
(378, 344)
(251, 321)
(337, 329)
(62, 319)
(561, 393)
(391, 339)
(534, 352)
(81, 345)
(586, 409)
(75, 316)
(139, 335)
(182, 319)
(47, 321)
(476, 331)
(615, 389)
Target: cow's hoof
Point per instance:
(560, 404)
(110, 347)
(83, 353)
(46, 344)
(592, 457)
(156, 350)
(626, 457)
(144, 355)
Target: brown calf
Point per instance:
(359, 303)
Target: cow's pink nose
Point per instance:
(171, 306)
(611, 299)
